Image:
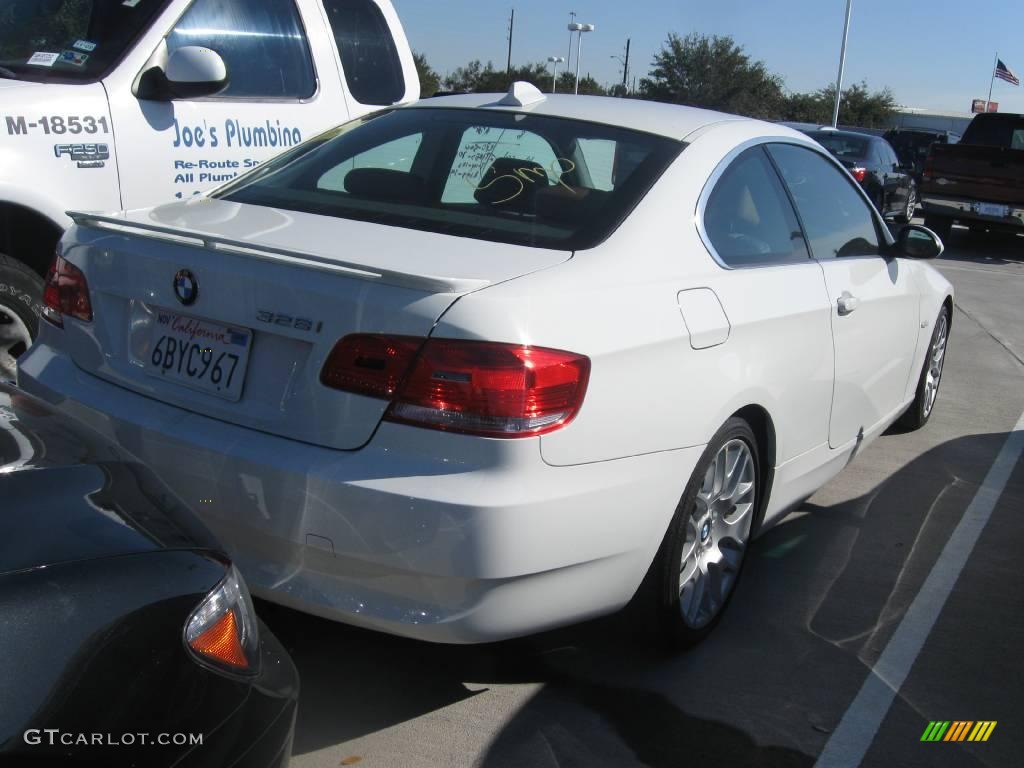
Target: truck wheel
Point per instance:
(21, 292)
(940, 225)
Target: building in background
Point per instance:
(913, 117)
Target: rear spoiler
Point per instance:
(277, 255)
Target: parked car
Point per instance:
(111, 105)
(873, 163)
(477, 367)
(128, 636)
(979, 181)
(913, 144)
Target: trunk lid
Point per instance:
(293, 283)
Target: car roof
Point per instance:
(670, 120)
(843, 134)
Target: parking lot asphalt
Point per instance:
(823, 596)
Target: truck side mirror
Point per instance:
(191, 72)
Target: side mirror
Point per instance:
(917, 242)
(191, 72)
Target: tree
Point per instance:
(714, 73)
(588, 85)
(476, 77)
(858, 107)
(430, 81)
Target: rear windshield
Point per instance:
(843, 145)
(69, 40)
(996, 131)
(486, 174)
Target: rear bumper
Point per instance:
(966, 210)
(434, 536)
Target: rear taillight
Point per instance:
(222, 631)
(928, 172)
(370, 365)
(474, 387)
(66, 293)
(859, 173)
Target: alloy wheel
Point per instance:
(911, 202)
(936, 359)
(14, 340)
(717, 532)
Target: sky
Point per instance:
(934, 54)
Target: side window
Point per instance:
(503, 164)
(599, 155)
(881, 157)
(369, 57)
(263, 45)
(889, 156)
(838, 221)
(748, 217)
(397, 155)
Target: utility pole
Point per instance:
(842, 64)
(511, 29)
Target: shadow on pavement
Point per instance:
(821, 595)
(987, 248)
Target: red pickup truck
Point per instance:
(978, 182)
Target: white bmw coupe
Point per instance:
(489, 364)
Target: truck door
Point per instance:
(283, 89)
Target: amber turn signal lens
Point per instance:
(221, 642)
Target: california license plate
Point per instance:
(199, 354)
(991, 209)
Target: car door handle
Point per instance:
(847, 303)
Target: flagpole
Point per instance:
(992, 82)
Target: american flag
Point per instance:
(1003, 72)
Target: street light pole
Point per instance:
(625, 68)
(555, 61)
(842, 64)
(579, 29)
(572, 24)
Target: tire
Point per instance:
(940, 225)
(921, 410)
(908, 212)
(708, 526)
(21, 292)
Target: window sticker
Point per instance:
(131, 3)
(74, 58)
(43, 59)
(84, 45)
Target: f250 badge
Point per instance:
(86, 155)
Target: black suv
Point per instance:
(912, 145)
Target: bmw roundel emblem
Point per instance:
(186, 287)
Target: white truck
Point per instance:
(123, 104)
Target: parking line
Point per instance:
(860, 723)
